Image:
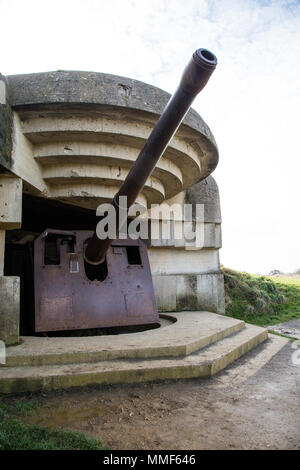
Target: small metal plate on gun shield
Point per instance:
(56, 308)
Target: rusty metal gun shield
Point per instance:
(72, 294)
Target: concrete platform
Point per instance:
(198, 344)
(183, 334)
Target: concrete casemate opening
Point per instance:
(39, 214)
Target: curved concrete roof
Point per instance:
(83, 130)
(74, 87)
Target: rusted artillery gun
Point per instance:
(82, 281)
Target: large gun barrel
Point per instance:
(194, 78)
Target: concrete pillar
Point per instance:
(9, 309)
(10, 202)
(10, 218)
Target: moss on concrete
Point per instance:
(6, 119)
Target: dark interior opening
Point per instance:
(39, 214)
(95, 272)
(53, 243)
(52, 251)
(208, 55)
(19, 262)
(133, 255)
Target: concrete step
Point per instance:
(181, 334)
(204, 363)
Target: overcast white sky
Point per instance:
(251, 103)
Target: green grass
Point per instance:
(261, 300)
(15, 435)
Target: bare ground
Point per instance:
(229, 411)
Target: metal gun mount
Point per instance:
(83, 282)
(69, 296)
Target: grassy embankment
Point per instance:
(261, 300)
(15, 435)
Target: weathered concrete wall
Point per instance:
(9, 309)
(10, 202)
(169, 261)
(5, 126)
(10, 218)
(191, 279)
(206, 192)
(190, 292)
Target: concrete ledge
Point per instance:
(191, 331)
(204, 363)
(10, 202)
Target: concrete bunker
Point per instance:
(68, 140)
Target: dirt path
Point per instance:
(288, 328)
(262, 412)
